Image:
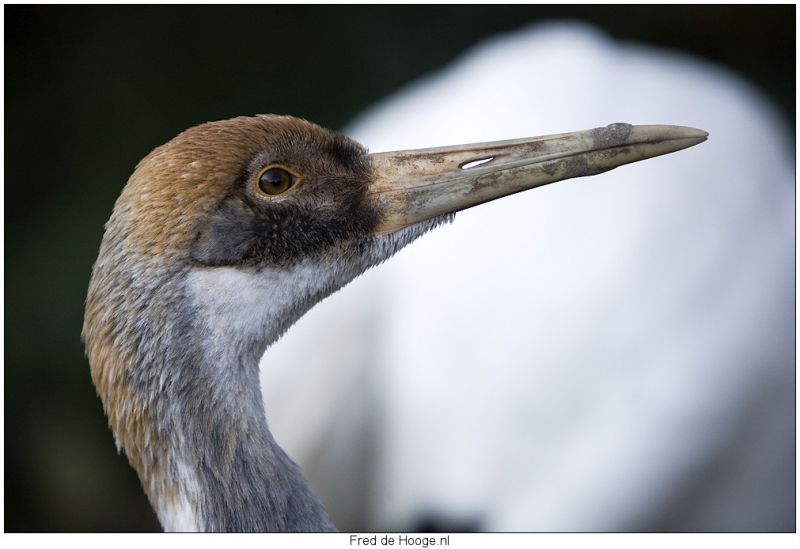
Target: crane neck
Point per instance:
(235, 477)
(230, 473)
(176, 364)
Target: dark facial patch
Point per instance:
(326, 209)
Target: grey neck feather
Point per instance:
(233, 474)
(245, 481)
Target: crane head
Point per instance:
(277, 190)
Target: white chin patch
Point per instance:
(245, 303)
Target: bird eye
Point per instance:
(276, 180)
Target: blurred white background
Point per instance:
(607, 353)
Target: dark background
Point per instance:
(91, 90)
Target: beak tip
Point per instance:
(700, 135)
(694, 137)
(658, 140)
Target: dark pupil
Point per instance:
(275, 180)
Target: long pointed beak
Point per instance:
(415, 185)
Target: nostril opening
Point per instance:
(476, 163)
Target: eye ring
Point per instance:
(276, 179)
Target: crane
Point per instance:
(226, 235)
